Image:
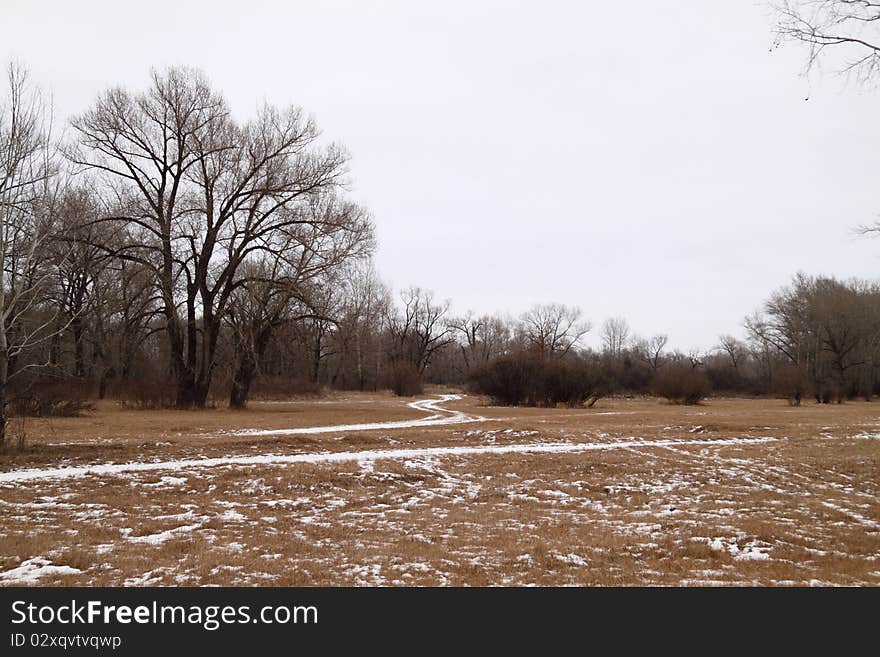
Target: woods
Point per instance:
(167, 254)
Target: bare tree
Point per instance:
(849, 27)
(695, 357)
(198, 196)
(615, 335)
(419, 331)
(553, 329)
(735, 350)
(128, 307)
(28, 191)
(480, 338)
(255, 312)
(300, 281)
(825, 327)
(651, 350)
(365, 303)
(79, 264)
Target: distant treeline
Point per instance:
(166, 254)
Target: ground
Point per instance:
(630, 492)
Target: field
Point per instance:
(631, 492)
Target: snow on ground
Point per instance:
(17, 476)
(441, 416)
(161, 537)
(463, 513)
(450, 518)
(33, 569)
(751, 551)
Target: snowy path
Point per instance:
(441, 416)
(362, 456)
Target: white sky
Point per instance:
(644, 159)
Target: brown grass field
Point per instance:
(676, 496)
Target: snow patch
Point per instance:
(35, 568)
(363, 456)
(161, 537)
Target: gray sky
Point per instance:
(644, 159)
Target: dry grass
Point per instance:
(802, 509)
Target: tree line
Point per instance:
(167, 254)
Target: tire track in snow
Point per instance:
(18, 476)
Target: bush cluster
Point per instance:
(681, 383)
(525, 379)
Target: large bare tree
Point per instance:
(199, 195)
(300, 281)
(28, 193)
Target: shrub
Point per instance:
(278, 387)
(681, 383)
(50, 398)
(827, 392)
(524, 379)
(145, 394)
(405, 379)
(790, 382)
(569, 382)
(509, 380)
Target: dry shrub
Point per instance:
(405, 380)
(279, 387)
(570, 382)
(51, 398)
(526, 379)
(790, 382)
(145, 394)
(827, 392)
(681, 383)
(16, 434)
(508, 380)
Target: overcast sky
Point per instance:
(650, 160)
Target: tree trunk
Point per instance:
(186, 388)
(4, 375)
(55, 349)
(360, 361)
(316, 355)
(246, 372)
(242, 381)
(79, 368)
(201, 390)
(108, 374)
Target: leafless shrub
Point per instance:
(828, 392)
(526, 379)
(508, 380)
(791, 382)
(570, 382)
(145, 394)
(405, 379)
(16, 434)
(277, 387)
(680, 383)
(54, 398)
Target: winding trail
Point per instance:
(441, 416)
